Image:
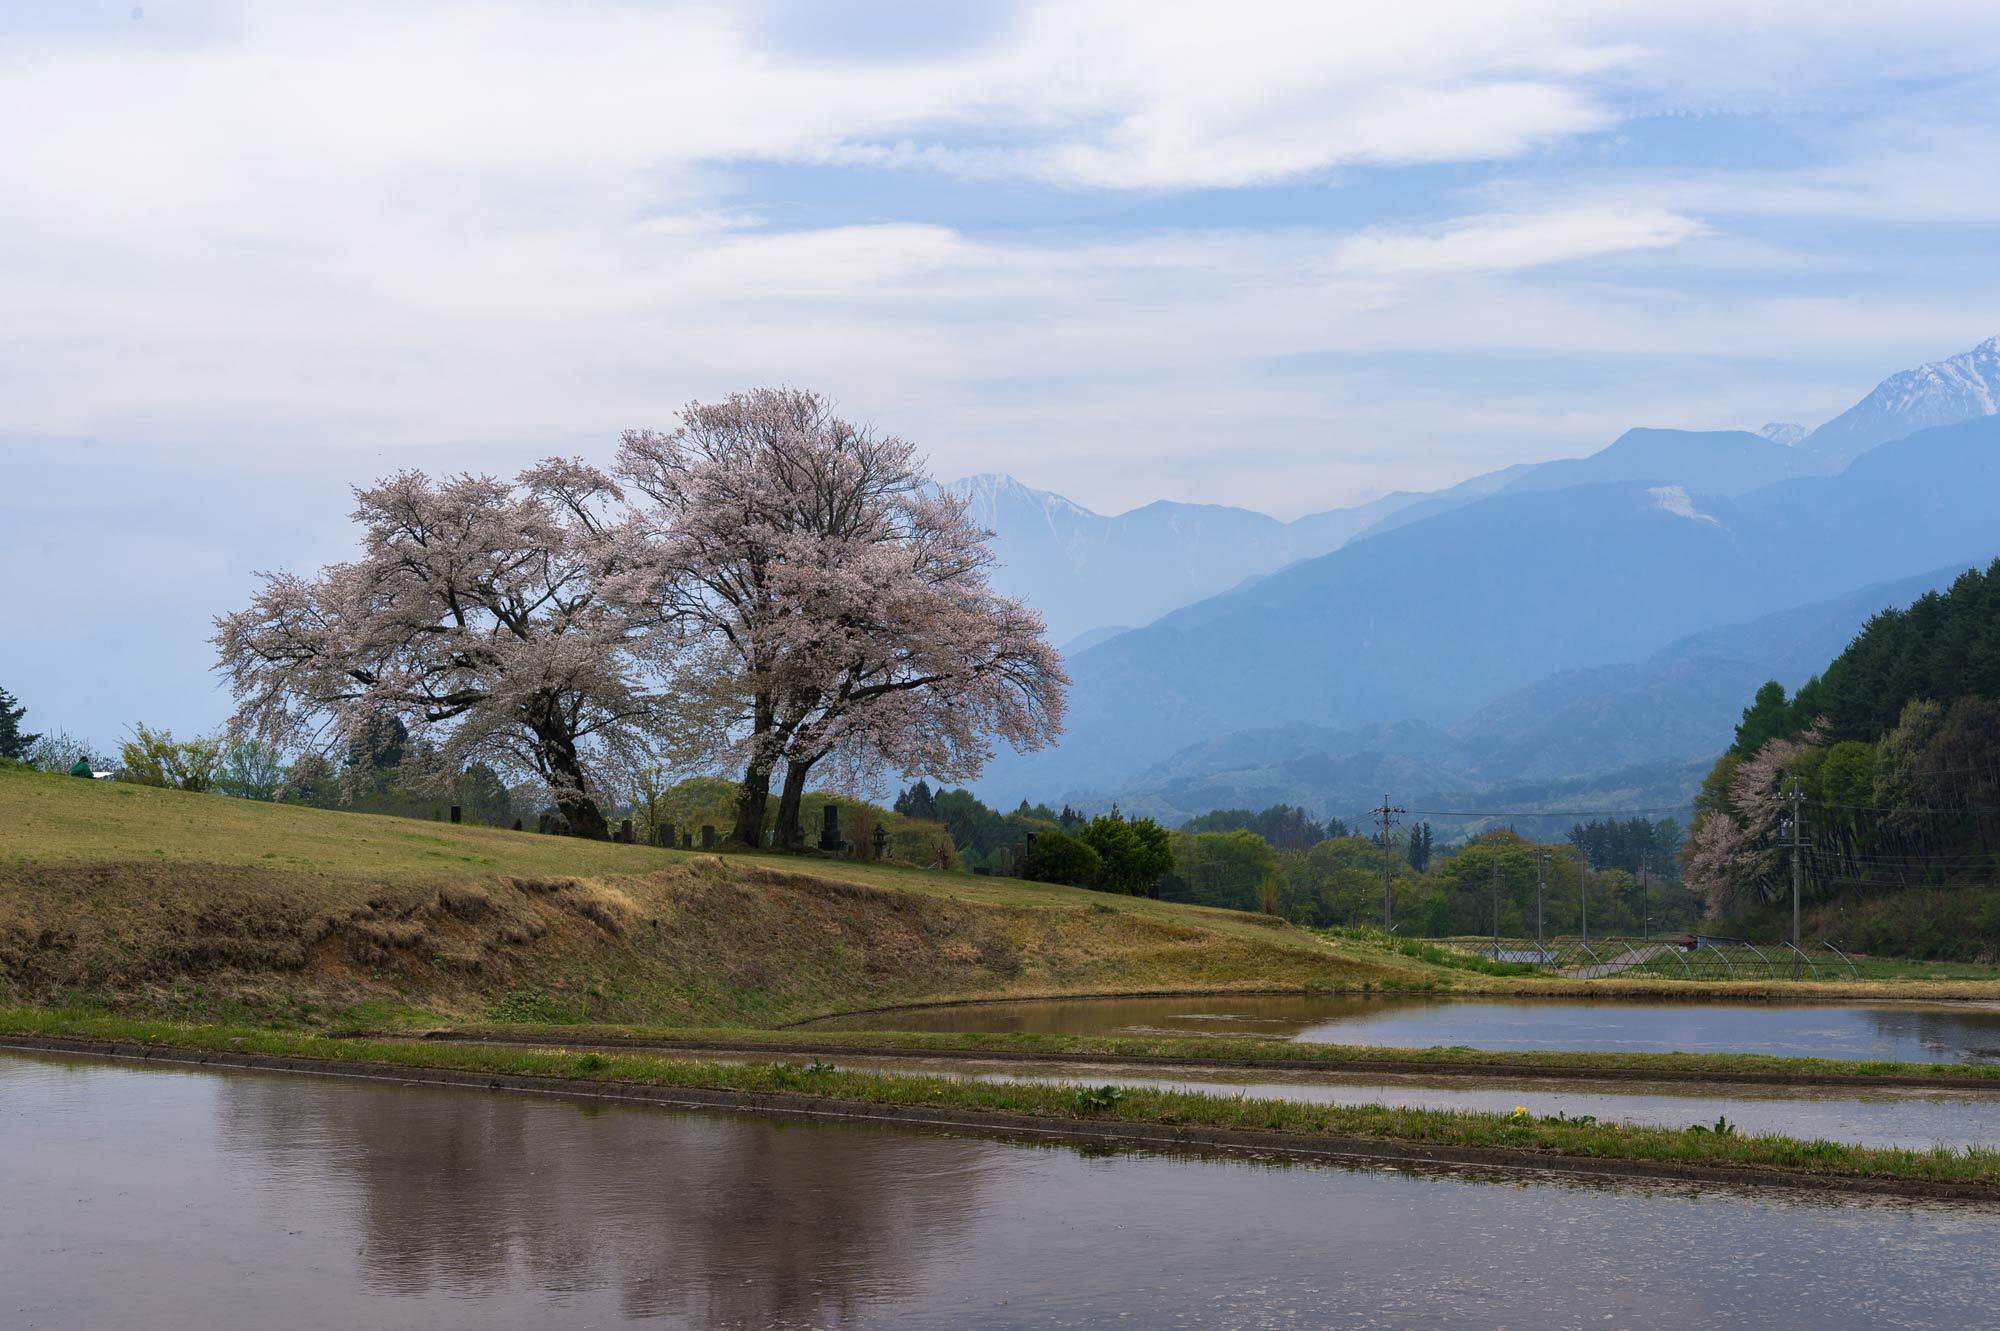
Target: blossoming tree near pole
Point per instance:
(477, 614)
(825, 603)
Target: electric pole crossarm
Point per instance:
(1386, 813)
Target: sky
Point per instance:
(1288, 256)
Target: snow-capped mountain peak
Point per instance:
(997, 501)
(1788, 433)
(1941, 393)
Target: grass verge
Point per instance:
(1228, 1051)
(1517, 1138)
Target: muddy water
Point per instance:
(159, 1199)
(1913, 1119)
(1902, 1032)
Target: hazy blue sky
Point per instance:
(1287, 256)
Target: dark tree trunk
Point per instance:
(581, 811)
(585, 819)
(753, 798)
(572, 798)
(790, 836)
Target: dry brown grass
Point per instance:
(159, 900)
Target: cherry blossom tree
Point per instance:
(825, 604)
(477, 615)
(1736, 850)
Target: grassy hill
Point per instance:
(158, 900)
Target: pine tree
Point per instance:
(917, 802)
(1420, 847)
(13, 744)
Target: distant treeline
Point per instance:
(1285, 861)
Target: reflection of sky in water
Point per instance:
(1890, 1117)
(1916, 1033)
(143, 1198)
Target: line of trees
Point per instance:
(1285, 826)
(1218, 860)
(766, 589)
(1635, 845)
(1340, 881)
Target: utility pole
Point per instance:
(1541, 867)
(1645, 900)
(1797, 798)
(1496, 903)
(1387, 812)
(1582, 894)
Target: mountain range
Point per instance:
(1541, 623)
(1092, 575)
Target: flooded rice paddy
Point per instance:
(1915, 1119)
(1900, 1032)
(145, 1197)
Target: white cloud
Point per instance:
(305, 225)
(1510, 242)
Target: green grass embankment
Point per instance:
(1159, 1117)
(1250, 1052)
(145, 900)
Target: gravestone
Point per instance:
(687, 841)
(625, 831)
(542, 821)
(829, 829)
(707, 837)
(454, 813)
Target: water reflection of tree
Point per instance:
(723, 1221)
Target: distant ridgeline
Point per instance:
(1895, 754)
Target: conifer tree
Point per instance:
(13, 744)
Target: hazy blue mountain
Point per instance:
(1319, 533)
(1787, 433)
(1643, 725)
(1725, 462)
(1792, 645)
(1942, 393)
(1722, 462)
(1680, 703)
(1085, 571)
(1450, 613)
(1088, 639)
(1609, 718)
(1343, 774)
(1444, 501)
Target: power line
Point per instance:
(1902, 808)
(1545, 813)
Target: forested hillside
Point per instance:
(1892, 755)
